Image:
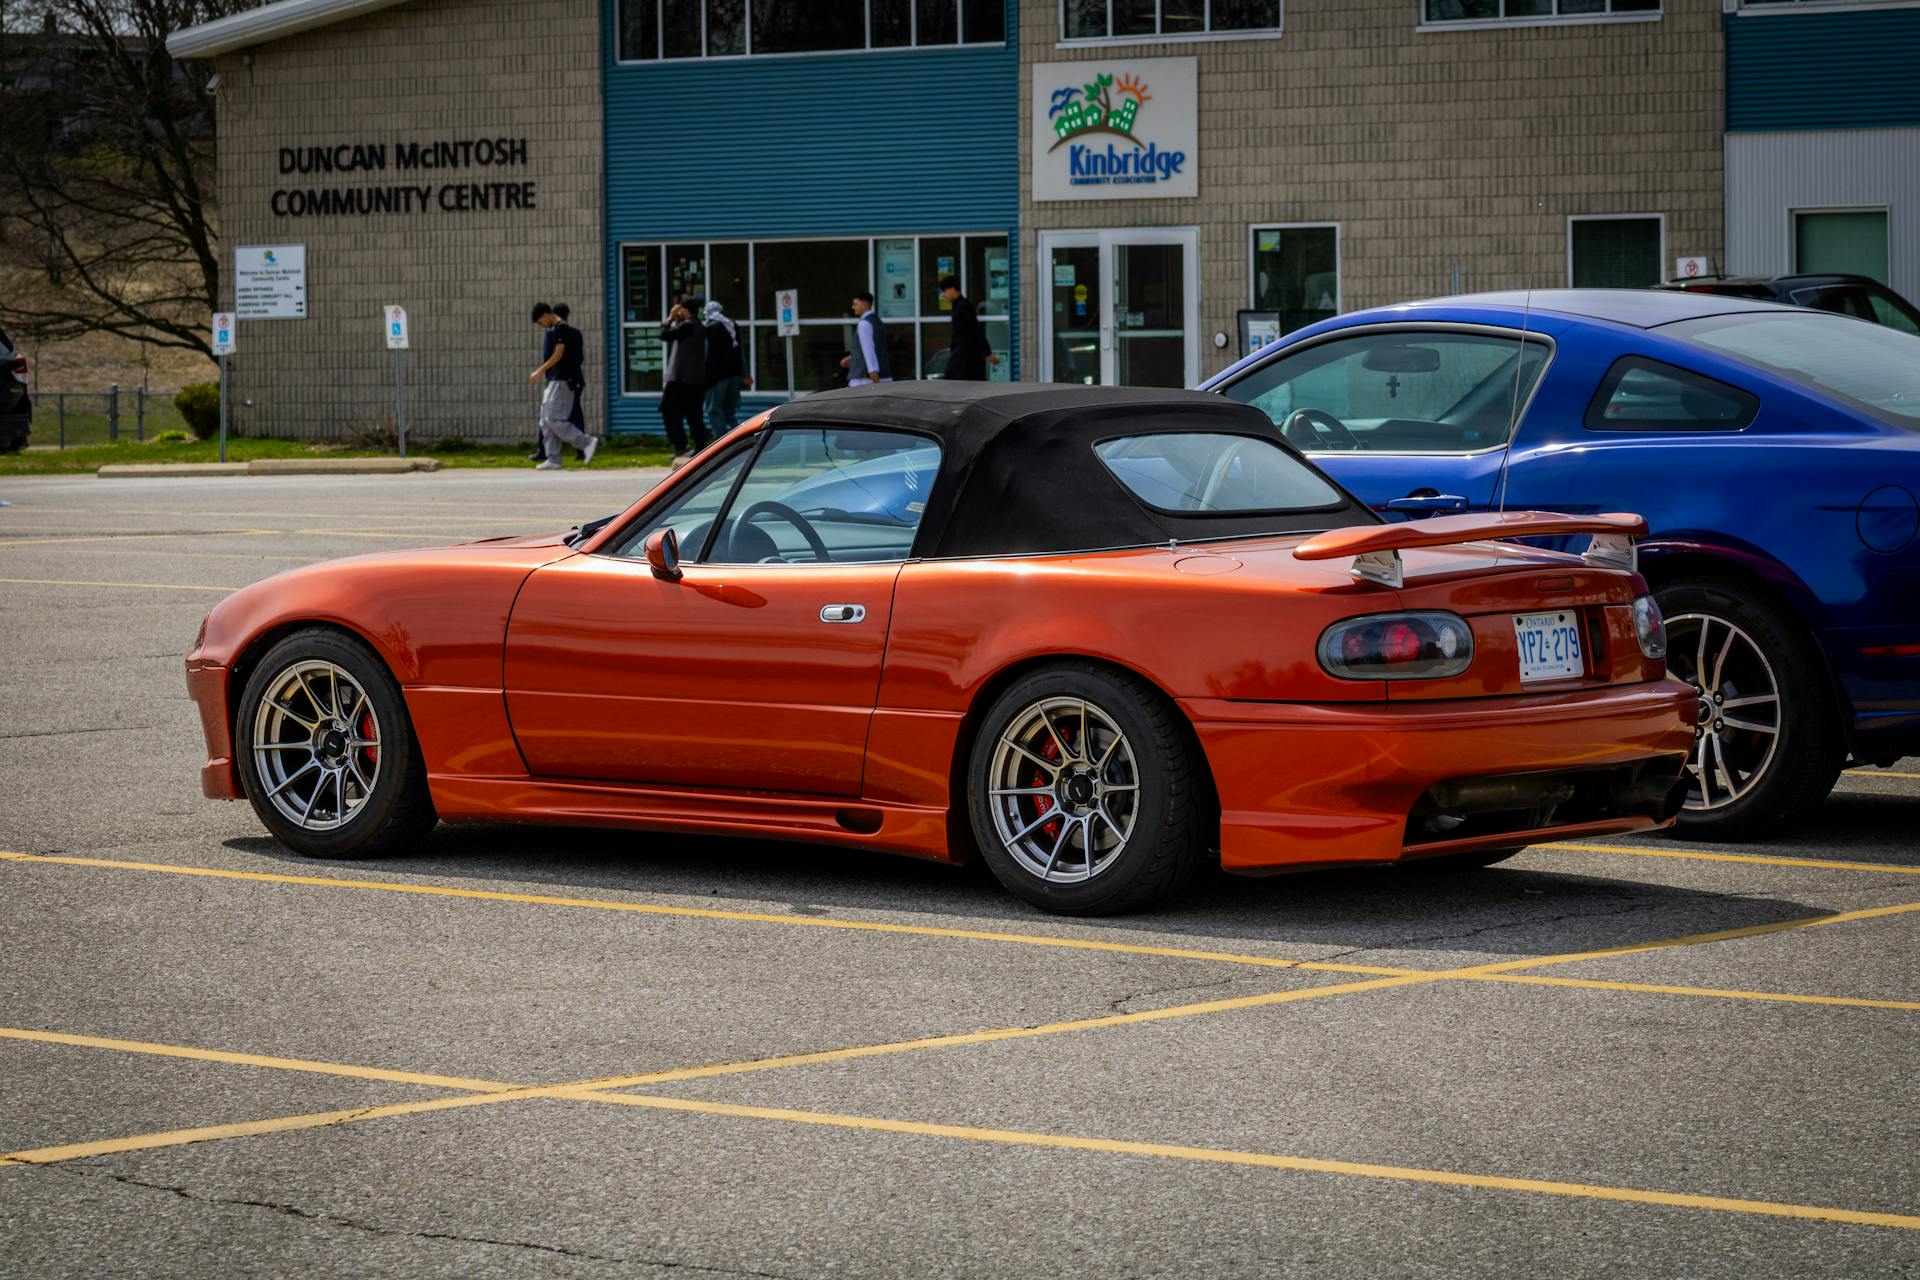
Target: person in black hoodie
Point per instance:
(578, 418)
(724, 370)
(967, 352)
(686, 384)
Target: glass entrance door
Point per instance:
(1122, 308)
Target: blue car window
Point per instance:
(1639, 394)
(1869, 366)
(1397, 390)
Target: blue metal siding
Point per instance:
(909, 142)
(1852, 69)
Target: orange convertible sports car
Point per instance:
(1095, 634)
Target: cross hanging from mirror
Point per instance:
(1393, 387)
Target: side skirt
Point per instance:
(913, 830)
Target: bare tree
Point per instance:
(107, 200)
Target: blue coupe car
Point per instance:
(1774, 450)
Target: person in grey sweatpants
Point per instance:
(563, 369)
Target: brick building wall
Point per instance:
(425, 71)
(1428, 148)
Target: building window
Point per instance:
(1848, 241)
(1165, 19)
(1450, 13)
(1296, 274)
(1609, 251)
(650, 30)
(902, 273)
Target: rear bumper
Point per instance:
(1304, 785)
(207, 686)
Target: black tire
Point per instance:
(1170, 827)
(1808, 748)
(1452, 862)
(392, 815)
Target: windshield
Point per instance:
(1867, 365)
(1193, 472)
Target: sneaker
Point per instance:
(538, 455)
(586, 455)
(551, 464)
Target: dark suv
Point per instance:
(16, 408)
(1861, 297)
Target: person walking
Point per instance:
(686, 381)
(867, 362)
(967, 351)
(563, 369)
(724, 370)
(578, 417)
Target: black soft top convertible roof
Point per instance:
(1018, 474)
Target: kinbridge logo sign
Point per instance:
(1105, 131)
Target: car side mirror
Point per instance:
(662, 549)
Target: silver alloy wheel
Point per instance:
(1738, 728)
(1064, 790)
(316, 745)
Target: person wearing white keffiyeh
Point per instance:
(724, 369)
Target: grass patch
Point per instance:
(642, 452)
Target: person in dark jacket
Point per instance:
(578, 417)
(686, 381)
(967, 352)
(724, 370)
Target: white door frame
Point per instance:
(1107, 240)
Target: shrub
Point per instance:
(178, 437)
(199, 404)
(379, 435)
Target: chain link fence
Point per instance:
(69, 419)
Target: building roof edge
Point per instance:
(269, 22)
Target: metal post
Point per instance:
(61, 396)
(140, 415)
(223, 408)
(113, 411)
(400, 396)
(790, 363)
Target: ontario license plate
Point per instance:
(1549, 645)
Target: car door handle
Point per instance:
(1427, 503)
(843, 613)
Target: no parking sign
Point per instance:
(396, 322)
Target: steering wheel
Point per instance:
(1316, 429)
(769, 507)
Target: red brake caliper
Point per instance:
(368, 730)
(1044, 804)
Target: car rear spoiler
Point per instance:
(1376, 548)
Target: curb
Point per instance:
(269, 467)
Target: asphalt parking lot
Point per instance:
(563, 1053)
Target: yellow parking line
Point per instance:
(1767, 860)
(243, 1129)
(977, 935)
(143, 537)
(256, 1060)
(1717, 993)
(1878, 773)
(1297, 1164)
(710, 913)
(137, 586)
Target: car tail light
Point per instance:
(1397, 646)
(17, 366)
(1891, 650)
(1649, 627)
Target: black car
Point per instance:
(16, 407)
(1861, 297)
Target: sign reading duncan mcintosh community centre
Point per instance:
(432, 158)
(1128, 128)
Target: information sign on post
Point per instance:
(1690, 268)
(223, 346)
(786, 304)
(270, 281)
(393, 319)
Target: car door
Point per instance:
(758, 667)
(1410, 418)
